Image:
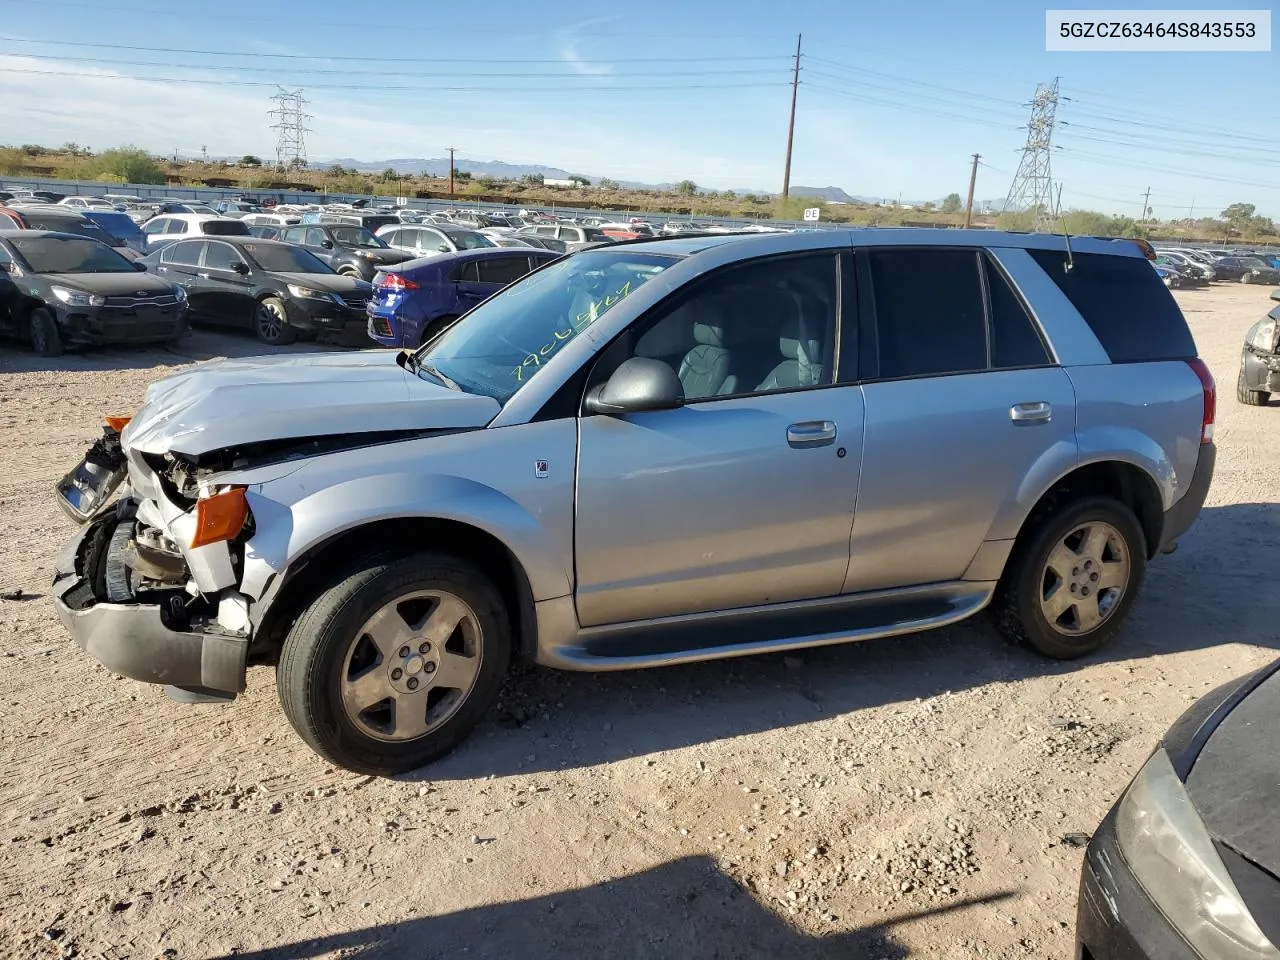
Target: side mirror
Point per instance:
(637, 385)
(139, 266)
(8, 267)
(241, 268)
(444, 248)
(327, 244)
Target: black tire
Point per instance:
(275, 334)
(433, 329)
(310, 671)
(46, 339)
(1017, 606)
(1252, 398)
(350, 271)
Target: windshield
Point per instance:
(283, 258)
(356, 237)
(119, 225)
(503, 343)
(69, 255)
(469, 240)
(78, 225)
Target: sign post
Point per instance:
(812, 213)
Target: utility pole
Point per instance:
(451, 149)
(791, 126)
(1146, 200)
(968, 204)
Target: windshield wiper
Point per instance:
(437, 374)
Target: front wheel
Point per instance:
(393, 665)
(434, 328)
(46, 339)
(1069, 586)
(271, 323)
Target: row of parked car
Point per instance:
(1192, 267)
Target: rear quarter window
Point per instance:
(1125, 304)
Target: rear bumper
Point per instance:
(1115, 919)
(136, 640)
(1179, 517)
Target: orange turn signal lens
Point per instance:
(220, 517)
(118, 423)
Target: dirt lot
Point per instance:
(902, 798)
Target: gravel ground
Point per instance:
(913, 797)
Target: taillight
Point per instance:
(397, 282)
(1210, 398)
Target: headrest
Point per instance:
(795, 343)
(709, 334)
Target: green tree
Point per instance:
(729, 195)
(462, 174)
(1016, 220)
(951, 204)
(336, 170)
(297, 163)
(390, 174)
(1239, 214)
(607, 184)
(33, 150)
(128, 165)
(580, 180)
(686, 188)
(490, 183)
(532, 179)
(928, 206)
(249, 160)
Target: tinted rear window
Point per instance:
(225, 228)
(1130, 311)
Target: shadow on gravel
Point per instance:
(204, 343)
(687, 908)
(1217, 589)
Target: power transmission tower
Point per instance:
(290, 127)
(1032, 187)
(791, 125)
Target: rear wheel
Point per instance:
(434, 328)
(1070, 583)
(271, 322)
(351, 272)
(1253, 398)
(46, 339)
(394, 664)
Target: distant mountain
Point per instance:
(439, 166)
(830, 194)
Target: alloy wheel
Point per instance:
(1084, 578)
(412, 665)
(270, 322)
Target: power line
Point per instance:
(346, 71)
(909, 108)
(382, 87)
(1006, 114)
(1162, 148)
(836, 64)
(381, 59)
(1110, 161)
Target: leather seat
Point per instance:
(704, 371)
(802, 359)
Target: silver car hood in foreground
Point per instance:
(233, 402)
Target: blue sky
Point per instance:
(893, 100)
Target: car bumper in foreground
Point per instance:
(139, 640)
(1261, 371)
(1116, 920)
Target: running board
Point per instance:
(770, 629)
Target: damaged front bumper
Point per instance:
(162, 642)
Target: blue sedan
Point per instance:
(415, 300)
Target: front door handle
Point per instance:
(1031, 413)
(811, 433)
(203, 276)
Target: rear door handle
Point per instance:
(811, 433)
(1031, 413)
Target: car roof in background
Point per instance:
(11, 234)
(483, 253)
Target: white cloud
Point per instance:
(567, 40)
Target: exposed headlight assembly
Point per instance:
(78, 298)
(1169, 851)
(1264, 340)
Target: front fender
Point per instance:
(287, 531)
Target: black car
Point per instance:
(352, 251)
(273, 288)
(546, 243)
(48, 217)
(1252, 269)
(59, 289)
(1187, 865)
(1260, 359)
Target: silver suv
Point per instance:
(651, 453)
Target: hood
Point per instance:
(376, 255)
(112, 284)
(1235, 783)
(234, 402)
(331, 282)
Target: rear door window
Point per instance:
(1125, 304)
(503, 270)
(186, 254)
(221, 256)
(930, 318)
